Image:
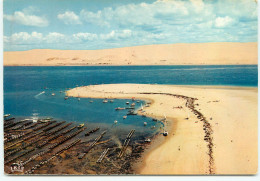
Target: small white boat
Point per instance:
(35, 120)
(105, 101)
(120, 108)
(165, 133)
(127, 102)
(78, 99)
(137, 101)
(145, 123)
(81, 125)
(53, 94)
(7, 115)
(147, 140)
(111, 101)
(115, 122)
(133, 104)
(124, 117)
(90, 101)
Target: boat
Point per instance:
(45, 121)
(119, 108)
(7, 115)
(124, 117)
(133, 105)
(53, 94)
(127, 102)
(188, 116)
(111, 101)
(152, 127)
(145, 123)
(78, 99)
(164, 119)
(131, 112)
(115, 122)
(147, 140)
(105, 101)
(165, 133)
(81, 125)
(142, 107)
(154, 119)
(34, 120)
(66, 97)
(137, 101)
(91, 101)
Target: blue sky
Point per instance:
(101, 24)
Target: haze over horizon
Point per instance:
(89, 25)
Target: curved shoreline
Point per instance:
(185, 152)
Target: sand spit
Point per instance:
(165, 54)
(214, 129)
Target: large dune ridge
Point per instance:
(220, 53)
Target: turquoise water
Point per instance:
(23, 85)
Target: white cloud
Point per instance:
(55, 37)
(24, 38)
(69, 17)
(221, 22)
(94, 18)
(116, 34)
(26, 19)
(85, 36)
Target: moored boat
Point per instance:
(81, 125)
(131, 112)
(119, 108)
(165, 133)
(7, 115)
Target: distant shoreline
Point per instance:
(219, 53)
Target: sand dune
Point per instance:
(230, 111)
(166, 54)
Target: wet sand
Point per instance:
(222, 140)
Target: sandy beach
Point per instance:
(219, 136)
(221, 53)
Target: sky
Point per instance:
(103, 24)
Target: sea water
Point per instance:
(24, 86)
